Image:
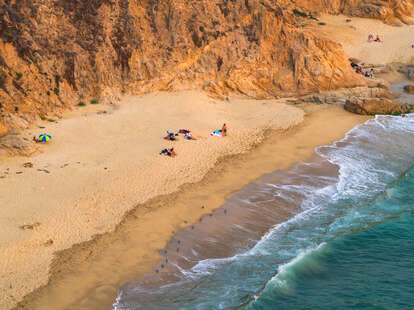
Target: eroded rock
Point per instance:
(16, 144)
(105, 48)
(409, 89)
(374, 106)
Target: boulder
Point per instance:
(15, 144)
(373, 106)
(409, 89)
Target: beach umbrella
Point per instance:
(44, 137)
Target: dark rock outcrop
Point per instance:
(374, 106)
(409, 89)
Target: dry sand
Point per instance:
(353, 36)
(99, 166)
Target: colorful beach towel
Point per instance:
(217, 133)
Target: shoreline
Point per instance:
(106, 195)
(96, 251)
(90, 175)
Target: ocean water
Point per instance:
(334, 233)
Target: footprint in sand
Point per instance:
(44, 170)
(29, 226)
(49, 242)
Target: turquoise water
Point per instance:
(367, 269)
(348, 242)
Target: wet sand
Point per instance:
(88, 275)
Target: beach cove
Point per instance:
(90, 211)
(89, 195)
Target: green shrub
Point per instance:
(19, 75)
(94, 101)
(322, 23)
(299, 13)
(42, 117)
(56, 91)
(81, 104)
(48, 93)
(201, 28)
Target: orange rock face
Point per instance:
(55, 53)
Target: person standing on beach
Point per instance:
(224, 130)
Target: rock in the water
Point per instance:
(373, 106)
(409, 89)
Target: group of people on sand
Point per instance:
(371, 38)
(358, 69)
(171, 136)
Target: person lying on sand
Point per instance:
(170, 136)
(183, 131)
(354, 65)
(168, 152)
(36, 140)
(189, 136)
(377, 39)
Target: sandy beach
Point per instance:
(100, 165)
(353, 36)
(105, 264)
(103, 163)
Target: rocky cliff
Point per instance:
(56, 53)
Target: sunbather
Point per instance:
(189, 136)
(170, 136)
(183, 131)
(168, 152)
